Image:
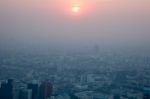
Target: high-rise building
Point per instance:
(6, 90)
(25, 94)
(116, 96)
(146, 96)
(83, 78)
(34, 88)
(45, 90)
(146, 92)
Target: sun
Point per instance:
(76, 9)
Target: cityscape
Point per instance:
(108, 75)
(74, 49)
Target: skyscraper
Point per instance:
(146, 92)
(6, 90)
(45, 90)
(25, 94)
(34, 88)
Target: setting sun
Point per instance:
(75, 9)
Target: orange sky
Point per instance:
(97, 21)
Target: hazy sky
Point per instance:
(53, 22)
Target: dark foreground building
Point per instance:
(34, 88)
(6, 90)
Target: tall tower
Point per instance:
(25, 94)
(34, 88)
(6, 90)
(45, 90)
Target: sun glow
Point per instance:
(75, 9)
(79, 7)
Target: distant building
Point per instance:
(96, 49)
(90, 78)
(63, 96)
(83, 78)
(45, 90)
